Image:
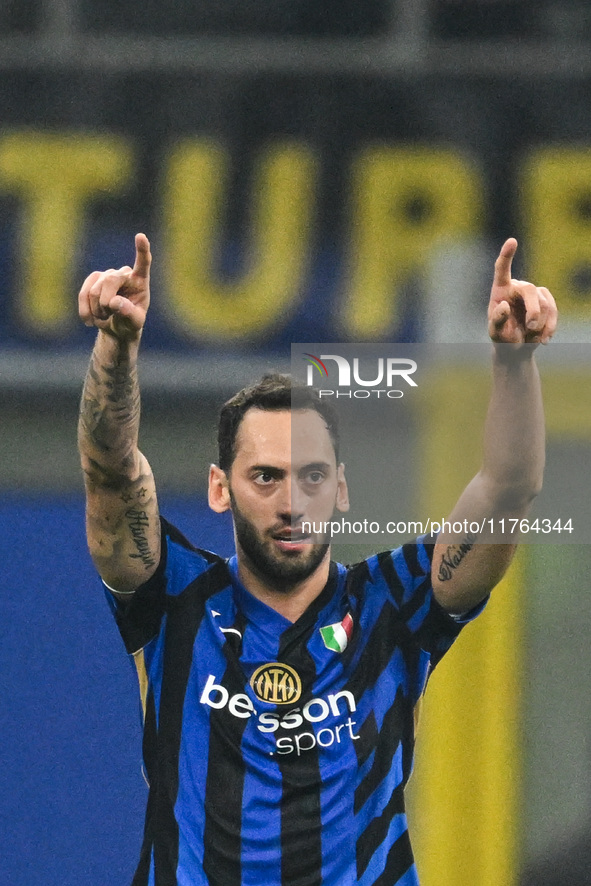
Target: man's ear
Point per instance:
(218, 493)
(342, 502)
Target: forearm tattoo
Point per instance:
(109, 420)
(453, 556)
(127, 532)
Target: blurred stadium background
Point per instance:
(306, 171)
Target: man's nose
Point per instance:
(293, 501)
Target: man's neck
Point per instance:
(291, 604)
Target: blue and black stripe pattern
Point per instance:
(272, 759)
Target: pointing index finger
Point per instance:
(143, 258)
(503, 263)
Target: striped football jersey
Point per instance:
(277, 753)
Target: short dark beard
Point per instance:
(281, 576)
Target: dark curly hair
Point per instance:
(275, 392)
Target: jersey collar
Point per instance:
(262, 614)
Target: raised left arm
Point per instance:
(520, 316)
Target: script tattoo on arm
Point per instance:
(453, 556)
(138, 522)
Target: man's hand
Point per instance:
(519, 311)
(117, 301)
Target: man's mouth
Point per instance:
(291, 540)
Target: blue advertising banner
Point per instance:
(307, 209)
(72, 794)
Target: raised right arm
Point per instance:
(122, 522)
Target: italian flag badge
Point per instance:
(337, 636)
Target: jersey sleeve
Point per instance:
(139, 617)
(407, 574)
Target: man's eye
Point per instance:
(315, 477)
(264, 479)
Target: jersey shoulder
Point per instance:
(181, 562)
(399, 571)
(186, 576)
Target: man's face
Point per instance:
(284, 474)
